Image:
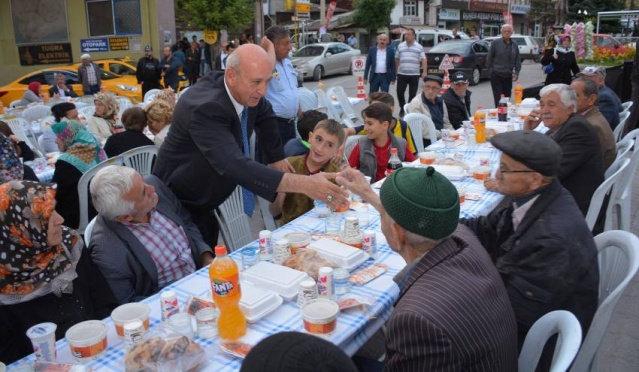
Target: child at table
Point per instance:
(305, 125)
(397, 126)
(325, 139)
(371, 153)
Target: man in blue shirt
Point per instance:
(609, 103)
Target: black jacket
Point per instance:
(563, 65)
(148, 71)
(55, 90)
(457, 110)
(125, 141)
(548, 263)
(67, 177)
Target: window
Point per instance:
(37, 77)
(427, 40)
(114, 17)
(410, 8)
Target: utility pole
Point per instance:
(323, 13)
(259, 22)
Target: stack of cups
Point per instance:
(43, 339)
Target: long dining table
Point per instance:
(354, 326)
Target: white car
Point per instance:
(322, 59)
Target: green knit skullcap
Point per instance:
(421, 201)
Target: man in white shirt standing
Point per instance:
(408, 57)
(380, 66)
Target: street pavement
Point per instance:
(620, 345)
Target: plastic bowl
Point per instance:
(128, 313)
(320, 316)
(87, 339)
(298, 240)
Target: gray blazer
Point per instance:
(84, 80)
(123, 260)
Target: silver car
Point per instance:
(323, 59)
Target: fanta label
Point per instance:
(223, 287)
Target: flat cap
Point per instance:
(535, 150)
(434, 78)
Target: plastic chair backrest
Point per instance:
(150, 95)
(141, 159)
(626, 106)
(323, 100)
(560, 322)
(623, 149)
(124, 104)
(350, 143)
(83, 189)
(343, 100)
(416, 130)
(87, 111)
(618, 260)
(619, 129)
(620, 199)
(406, 109)
(234, 223)
(617, 169)
(425, 122)
(634, 137)
(87, 232)
(22, 129)
(15, 103)
(89, 99)
(36, 112)
(308, 99)
(267, 217)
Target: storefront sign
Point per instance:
(45, 54)
(519, 9)
(485, 6)
(468, 15)
(410, 20)
(449, 14)
(94, 45)
(119, 43)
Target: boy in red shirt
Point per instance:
(371, 153)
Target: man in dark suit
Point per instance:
(60, 88)
(205, 58)
(380, 66)
(205, 156)
(540, 242)
(143, 238)
(457, 99)
(582, 166)
(453, 311)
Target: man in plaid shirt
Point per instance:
(143, 238)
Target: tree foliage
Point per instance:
(593, 6)
(373, 14)
(542, 11)
(232, 15)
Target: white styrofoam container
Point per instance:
(452, 172)
(342, 254)
(280, 279)
(258, 302)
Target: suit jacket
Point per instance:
(371, 63)
(202, 160)
(55, 90)
(453, 313)
(123, 260)
(582, 169)
(84, 80)
(457, 109)
(218, 62)
(609, 104)
(605, 135)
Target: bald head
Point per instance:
(248, 71)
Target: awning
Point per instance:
(398, 30)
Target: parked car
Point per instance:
(528, 47)
(430, 37)
(125, 86)
(468, 56)
(127, 66)
(322, 59)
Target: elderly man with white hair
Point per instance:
(143, 238)
(581, 169)
(504, 63)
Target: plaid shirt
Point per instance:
(167, 245)
(93, 80)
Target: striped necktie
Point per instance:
(247, 196)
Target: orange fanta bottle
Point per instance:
(225, 287)
(480, 125)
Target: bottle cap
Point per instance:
(393, 151)
(479, 107)
(220, 250)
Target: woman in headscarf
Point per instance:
(81, 151)
(46, 275)
(11, 168)
(102, 123)
(31, 95)
(563, 61)
(159, 115)
(22, 149)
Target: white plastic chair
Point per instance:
(626, 106)
(417, 131)
(150, 95)
(617, 169)
(308, 99)
(623, 150)
(620, 199)
(15, 103)
(83, 189)
(35, 113)
(323, 100)
(87, 111)
(560, 322)
(267, 217)
(22, 129)
(124, 104)
(425, 122)
(406, 112)
(87, 232)
(234, 223)
(89, 100)
(141, 158)
(343, 100)
(618, 259)
(618, 132)
(350, 143)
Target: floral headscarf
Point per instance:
(10, 166)
(111, 107)
(82, 150)
(29, 267)
(34, 86)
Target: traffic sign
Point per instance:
(447, 63)
(210, 36)
(357, 65)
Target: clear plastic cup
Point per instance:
(333, 224)
(250, 256)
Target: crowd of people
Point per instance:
(496, 274)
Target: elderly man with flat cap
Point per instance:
(581, 169)
(453, 312)
(457, 99)
(540, 242)
(432, 105)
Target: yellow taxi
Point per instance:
(125, 86)
(127, 67)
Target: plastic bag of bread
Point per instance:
(309, 261)
(172, 353)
